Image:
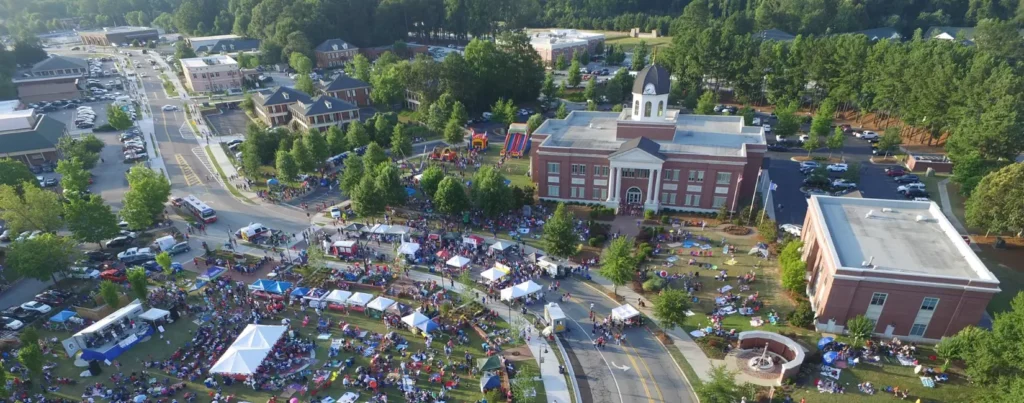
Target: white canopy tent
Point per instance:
(380, 229)
(408, 248)
(625, 312)
(359, 299)
(249, 350)
(520, 290)
(399, 230)
(128, 311)
(458, 261)
(154, 314)
(338, 296)
(493, 274)
(414, 319)
(380, 303)
(500, 246)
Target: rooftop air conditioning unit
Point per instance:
(871, 213)
(886, 210)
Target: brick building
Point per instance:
(334, 53)
(901, 264)
(211, 73)
(286, 106)
(51, 79)
(557, 42)
(349, 89)
(648, 156)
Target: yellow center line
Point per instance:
(639, 374)
(656, 387)
(163, 115)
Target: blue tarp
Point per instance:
(278, 287)
(830, 357)
(62, 317)
(212, 273)
(428, 326)
(410, 192)
(262, 285)
(824, 342)
(300, 292)
(489, 382)
(272, 182)
(114, 352)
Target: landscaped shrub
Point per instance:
(648, 214)
(664, 219)
(654, 284)
(803, 316)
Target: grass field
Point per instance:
(629, 43)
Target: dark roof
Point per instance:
(60, 62)
(653, 74)
(283, 95)
(775, 35)
(332, 45)
(324, 104)
(877, 34)
(343, 82)
(44, 135)
(231, 45)
(643, 143)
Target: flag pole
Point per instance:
(753, 199)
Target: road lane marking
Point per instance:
(200, 154)
(191, 178)
(163, 123)
(656, 387)
(599, 352)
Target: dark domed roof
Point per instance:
(655, 75)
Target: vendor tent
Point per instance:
(408, 248)
(399, 230)
(624, 312)
(300, 291)
(488, 364)
(354, 227)
(489, 382)
(380, 229)
(338, 296)
(520, 290)
(359, 299)
(380, 303)
(154, 314)
(62, 316)
(278, 287)
(443, 254)
(500, 246)
(458, 261)
(493, 274)
(249, 350)
(212, 273)
(262, 285)
(427, 326)
(473, 240)
(414, 319)
(399, 309)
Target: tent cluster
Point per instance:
(252, 346)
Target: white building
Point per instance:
(549, 45)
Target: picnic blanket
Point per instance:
(323, 336)
(906, 361)
(698, 334)
(831, 372)
(927, 382)
(368, 351)
(337, 343)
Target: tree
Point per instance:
(504, 111)
(316, 143)
(42, 257)
(357, 135)
(490, 193)
(352, 174)
(374, 156)
(164, 260)
(747, 112)
(769, 230)
(303, 157)
(590, 92)
(560, 62)
(996, 205)
(822, 121)
(359, 68)
(14, 173)
(669, 308)
(591, 106)
(561, 113)
(387, 84)
(119, 119)
(440, 112)
(301, 63)
(430, 180)
(706, 103)
(574, 76)
(29, 336)
(110, 294)
(382, 129)
(859, 328)
(835, 141)
(618, 263)
(81, 149)
(721, 388)
(305, 84)
(890, 140)
(640, 53)
(525, 382)
(248, 104)
(401, 145)
(852, 173)
(534, 122)
(286, 167)
(788, 122)
(183, 51)
(90, 220)
(251, 161)
(33, 208)
(365, 202)
(548, 89)
(812, 143)
(958, 346)
(990, 356)
(459, 113)
(454, 133)
(139, 284)
(451, 197)
(794, 270)
(73, 177)
(388, 185)
(31, 356)
(336, 140)
(148, 192)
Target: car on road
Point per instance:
(11, 323)
(168, 108)
(910, 186)
(120, 241)
(792, 229)
(778, 148)
(179, 248)
(36, 306)
(767, 128)
(868, 135)
(843, 184)
(907, 179)
(335, 212)
(837, 167)
(893, 172)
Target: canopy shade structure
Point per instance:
(380, 229)
(130, 310)
(278, 287)
(62, 316)
(414, 319)
(300, 291)
(408, 248)
(489, 382)
(500, 246)
(399, 230)
(154, 314)
(443, 254)
(249, 350)
(380, 303)
(359, 299)
(427, 326)
(343, 244)
(212, 273)
(354, 227)
(519, 290)
(493, 274)
(338, 296)
(624, 312)
(488, 364)
(474, 240)
(261, 284)
(458, 261)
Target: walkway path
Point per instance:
(947, 209)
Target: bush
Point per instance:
(654, 284)
(803, 316)
(768, 230)
(648, 214)
(664, 219)
(106, 127)
(596, 241)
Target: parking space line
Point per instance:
(186, 170)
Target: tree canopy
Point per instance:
(42, 257)
(451, 197)
(997, 203)
(431, 179)
(90, 220)
(147, 193)
(490, 193)
(559, 236)
(31, 208)
(14, 173)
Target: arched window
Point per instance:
(647, 109)
(636, 108)
(661, 108)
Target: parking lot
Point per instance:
(230, 122)
(67, 116)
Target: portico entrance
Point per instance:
(633, 195)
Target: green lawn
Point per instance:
(629, 43)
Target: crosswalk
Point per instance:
(204, 159)
(191, 178)
(186, 132)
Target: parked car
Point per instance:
(115, 275)
(120, 241)
(843, 184)
(792, 229)
(11, 323)
(36, 306)
(777, 147)
(97, 256)
(85, 273)
(5, 236)
(49, 299)
(20, 313)
(335, 212)
(807, 167)
(868, 135)
(911, 186)
(135, 255)
(907, 179)
(179, 248)
(837, 167)
(915, 193)
(895, 171)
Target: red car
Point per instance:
(116, 276)
(895, 171)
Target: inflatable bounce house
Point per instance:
(517, 142)
(446, 154)
(479, 141)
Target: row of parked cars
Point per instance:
(15, 317)
(85, 117)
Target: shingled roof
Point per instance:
(283, 95)
(343, 82)
(324, 104)
(643, 143)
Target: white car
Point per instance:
(169, 108)
(804, 137)
(844, 184)
(84, 273)
(922, 199)
(792, 229)
(837, 167)
(11, 323)
(910, 186)
(767, 128)
(867, 135)
(335, 212)
(36, 306)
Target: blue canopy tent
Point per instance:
(62, 316)
(300, 291)
(410, 192)
(278, 287)
(176, 267)
(824, 342)
(212, 273)
(262, 285)
(489, 382)
(830, 357)
(273, 182)
(427, 326)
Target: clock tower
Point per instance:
(650, 94)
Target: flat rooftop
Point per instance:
(112, 30)
(896, 236)
(208, 61)
(562, 36)
(695, 134)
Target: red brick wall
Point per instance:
(362, 97)
(628, 130)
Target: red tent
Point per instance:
(443, 254)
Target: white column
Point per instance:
(618, 182)
(657, 187)
(611, 184)
(650, 185)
